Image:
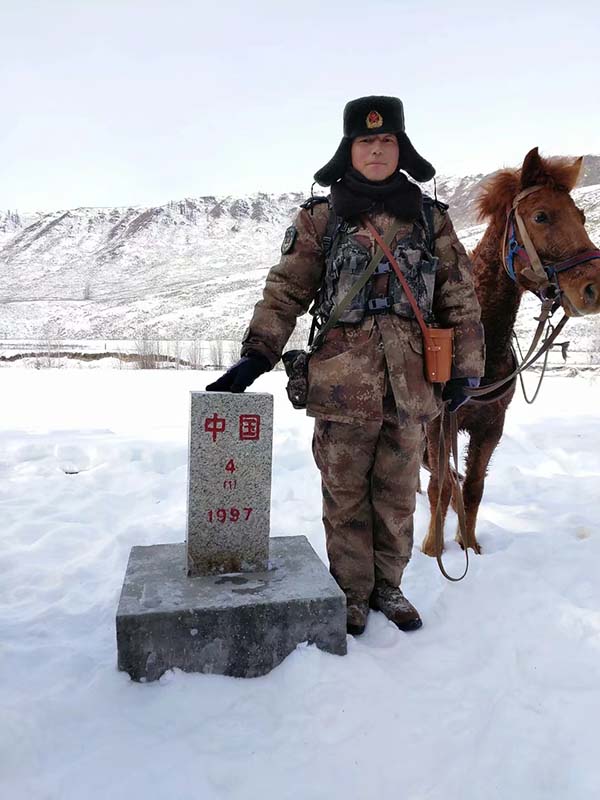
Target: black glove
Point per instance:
(241, 375)
(453, 392)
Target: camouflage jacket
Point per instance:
(348, 374)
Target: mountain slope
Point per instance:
(188, 269)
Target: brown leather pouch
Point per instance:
(438, 354)
(437, 342)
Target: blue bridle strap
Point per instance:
(514, 250)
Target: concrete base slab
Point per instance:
(241, 624)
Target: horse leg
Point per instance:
(429, 546)
(482, 443)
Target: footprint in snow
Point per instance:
(71, 458)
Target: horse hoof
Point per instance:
(474, 546)
(430, 550)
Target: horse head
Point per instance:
(546, 248)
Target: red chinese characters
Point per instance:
(214, 425)
(249, 427)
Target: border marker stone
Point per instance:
(230, 600)
(229, 486)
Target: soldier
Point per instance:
(366, 383)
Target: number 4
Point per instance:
(230, 466)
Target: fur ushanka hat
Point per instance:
(367, 116)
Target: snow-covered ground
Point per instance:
(496, 697)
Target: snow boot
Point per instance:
(356, 616)
(390, 601)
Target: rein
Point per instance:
(443, 467)
(531, 400)
(531, 356)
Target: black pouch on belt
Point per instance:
(296, 367)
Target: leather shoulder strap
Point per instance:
(394, 264)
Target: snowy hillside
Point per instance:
(188, 269)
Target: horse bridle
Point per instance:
(544, 277)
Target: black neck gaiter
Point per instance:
(354, 195)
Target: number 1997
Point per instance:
(229, 514)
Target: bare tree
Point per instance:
(146, 349)
(52, 334)
(194, 355)
(216, 353)
(176, 351)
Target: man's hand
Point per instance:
(453, 392)
(239, 377)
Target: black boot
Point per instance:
(356, 616)
(390, 600)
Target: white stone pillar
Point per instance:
(229, 482)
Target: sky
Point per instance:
(108, 103)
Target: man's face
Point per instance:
(375, 157)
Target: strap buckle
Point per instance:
(378, 304)
(383, 267)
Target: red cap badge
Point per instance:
(374, 120)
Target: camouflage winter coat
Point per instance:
(348, 374)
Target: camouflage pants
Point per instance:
(369, 478)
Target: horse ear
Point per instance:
(576, 167)
(532, 171)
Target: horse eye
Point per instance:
(540, 217)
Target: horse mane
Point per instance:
(500, 189)
(497, 193)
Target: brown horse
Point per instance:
(538, 193)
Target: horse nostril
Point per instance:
(590, 294)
